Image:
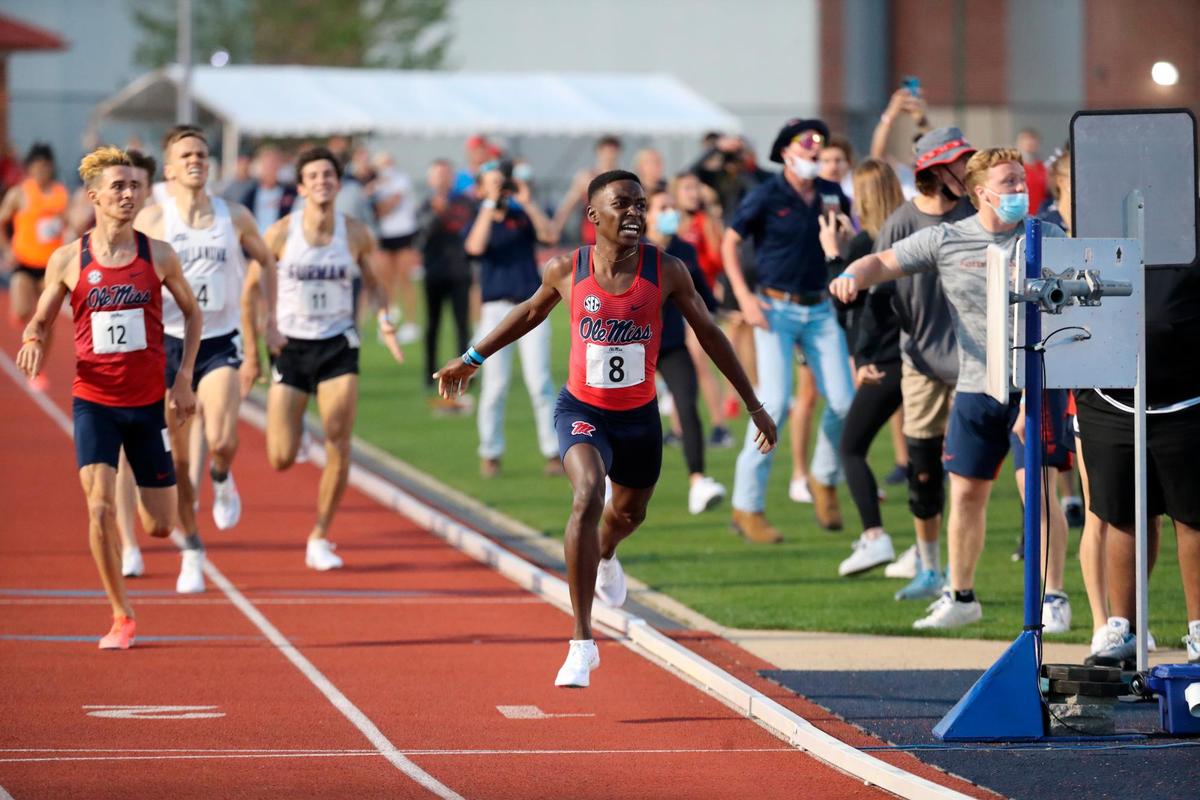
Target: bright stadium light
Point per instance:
(221, 58)
(1164, 73)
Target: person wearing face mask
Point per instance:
(928, 351)
(978, 428)
(790, 308)
(674, 362)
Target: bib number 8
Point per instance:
(615, 367)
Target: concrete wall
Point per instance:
(51, 94)
(756, 58)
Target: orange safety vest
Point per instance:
(38, 226)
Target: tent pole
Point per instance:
(230, 137)
(183, 55)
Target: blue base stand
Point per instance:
(1004, 704)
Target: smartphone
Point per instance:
(831, 202)
(913, 84)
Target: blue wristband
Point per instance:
(848, 275)
(472, 357)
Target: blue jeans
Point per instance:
(814, 328)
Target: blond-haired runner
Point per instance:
(320, 253)
(114, 277)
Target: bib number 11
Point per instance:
(614, 367)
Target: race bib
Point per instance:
(615, 366)
(118, 331)
(49, 229)
(325, 298)
(209, 291)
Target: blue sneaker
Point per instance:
(928, 583)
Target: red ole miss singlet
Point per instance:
(615, 337)
(119, 357)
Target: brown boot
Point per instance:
(825, 503)
(489, 467)
(753, 527)
(554, 467)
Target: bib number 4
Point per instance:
(210, 293)
(615, 366)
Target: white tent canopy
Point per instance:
(297, 101)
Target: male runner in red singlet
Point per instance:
(607, 415)
(114, 277)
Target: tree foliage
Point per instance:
(409, 34)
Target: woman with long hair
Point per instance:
(873, 334)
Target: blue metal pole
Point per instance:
(1033, 435)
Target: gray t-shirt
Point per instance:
(927, 342)
(958, 253)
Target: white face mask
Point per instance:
(804, 169)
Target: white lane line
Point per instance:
(5, 795)
(342, 703)
(652, 644)
(217, 755)
(274, 601)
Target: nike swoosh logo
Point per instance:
(635, 308)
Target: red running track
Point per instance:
(423, 647)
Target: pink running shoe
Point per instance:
(120, 637)
(39, 383)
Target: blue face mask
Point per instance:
(668, 222)
(1012, 208)
(522, 171)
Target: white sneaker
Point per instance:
(610, 582)
(1115, 640)
(408, 333)
(946, 612)
(868, 554)
(906, 566)
(582, 658)
(705, 494)
(132, 565)
(1056, 614)
(306, 442)
(227, 503)
(607, 490)
(1192, 643)
(191, 572)
(798, 491)
(320, 556)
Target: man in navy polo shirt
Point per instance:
(504, 237)
(790, 307)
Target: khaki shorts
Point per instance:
(926, 404)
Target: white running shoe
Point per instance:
(319, 555)
(306, 442)
(191, 572)
(1056, 614)
(906, 566)
(408, 333)
(1115, 640)
(132, 565)
(227, 503)
(607, 490)
(1192, 643)
(582, 658)
(868, 554)
(705, 494)
(946, 612)
(610, 582)
(798, 491)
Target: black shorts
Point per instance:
(304, 363)
(214, 353)
(37, 273)
(101, 431)
(393, 243)
(630, 442)
(1172, 478)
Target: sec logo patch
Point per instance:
(591, 304)
(94, 276)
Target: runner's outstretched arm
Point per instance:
(680, 289)
(29, 359)
(256, 247)
(453, 378)
(362, 246)
(180, 396)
